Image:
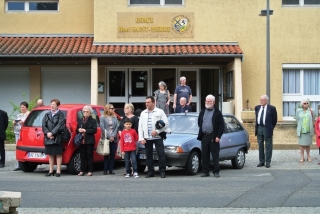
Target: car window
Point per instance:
(183, 124)
(36, 116)
(232, 124)
(94, 116)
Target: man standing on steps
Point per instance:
(266, 120)
(3, 127)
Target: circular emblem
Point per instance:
(180, 24)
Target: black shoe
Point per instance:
(112, 173)
(149, 175)
(105, 172)
(49, 174)
(216, 175)
(260, 165)
(1, 165)
(163, 175)
(205, 175)
(268, 165)
(16, 169)
(58, 174)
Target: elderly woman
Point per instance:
(88, 127)
(162, 97)
(305, 130)
(109, 123)
(18, 122)
(53, 124)
(317, 128)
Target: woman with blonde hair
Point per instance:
(109, 123)
(129, 113)
(305, 129)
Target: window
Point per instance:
(298, 84)
(156, 2)
(230, 84)
(232, 124)
(300, 2)
(27, 6)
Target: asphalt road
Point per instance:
(287, 183)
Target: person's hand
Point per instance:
(122, 153)
(111, 139)
(217, 140)
(119, 132)
(49, 135)
(143, 142)
(174, 106)
(154, 133)
(21, 122)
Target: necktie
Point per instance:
(261, 116)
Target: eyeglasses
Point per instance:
(111, 108)
(305, 103)
(85, 111)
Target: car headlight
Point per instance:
(176, 149)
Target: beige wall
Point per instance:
(74, 17)
(294, 33)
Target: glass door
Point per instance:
(139, 86)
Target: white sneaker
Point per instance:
(135, 175)
(127, 176)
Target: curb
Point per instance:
(10, 147)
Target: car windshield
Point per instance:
(184, 124)
(36, 116)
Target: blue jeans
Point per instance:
(109, 159)
(133, 156)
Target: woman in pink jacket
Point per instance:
(317, 129)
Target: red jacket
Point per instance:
(317, 128)
(128, 140)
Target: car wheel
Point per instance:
(75, 163)
(141, 168)
(239, 160)
(193, 163)
(27, 167)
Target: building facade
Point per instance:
(106, 51)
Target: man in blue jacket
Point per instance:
(266, 120)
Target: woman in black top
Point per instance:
(53, 124)
(129, 113)
(88, 127)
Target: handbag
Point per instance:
(118, 152)
(65, 135)
(77, 139)
(103, 146)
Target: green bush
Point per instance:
(12, 116)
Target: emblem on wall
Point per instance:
(180, 24)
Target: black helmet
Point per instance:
(160, 124)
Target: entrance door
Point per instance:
(128, 86)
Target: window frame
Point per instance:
(291, 97)
(162, 4)
(301, 4)
(27, 8)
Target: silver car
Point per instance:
(182, 148)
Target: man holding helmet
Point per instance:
(152, 122)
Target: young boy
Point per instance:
(128, 140)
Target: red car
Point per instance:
(30, 147)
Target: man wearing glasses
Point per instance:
(266, 120)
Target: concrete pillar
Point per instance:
(237, 87)
(35, 81)
(94, 81)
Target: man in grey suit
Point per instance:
(3, 127)
(266, 120)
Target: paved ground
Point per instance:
(282, 159)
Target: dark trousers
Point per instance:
(160, 152)
(261, 135)
(208, 145)
(109, 159)
(133, 156)
(2, 152)
(86, 155)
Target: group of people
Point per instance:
(132, 130)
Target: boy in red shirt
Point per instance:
(128, 140)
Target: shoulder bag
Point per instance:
(103, 146)
(78, 138)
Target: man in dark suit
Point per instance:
(266, 120)
(183, 107)
(3, 127)
(211, 126)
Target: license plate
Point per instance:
(144, 156)
(36, 155)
